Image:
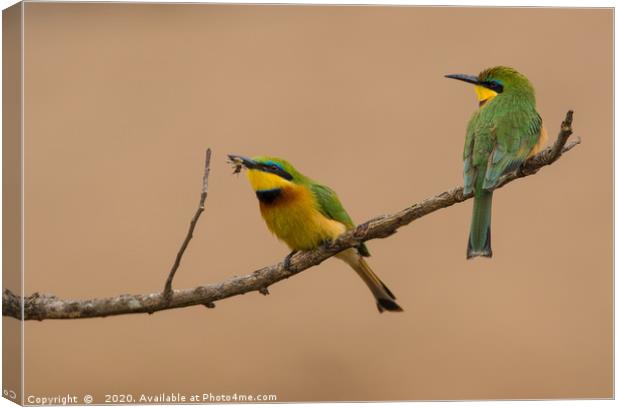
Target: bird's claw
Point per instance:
(287, 260)
(327, 243)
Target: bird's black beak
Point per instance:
(239, 160)
(465, 78)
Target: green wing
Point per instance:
(479, 143)
(469, 174)
(330, 206)
(515, 136)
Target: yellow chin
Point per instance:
(262, 181)
(484, 94)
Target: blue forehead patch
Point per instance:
(269, 162)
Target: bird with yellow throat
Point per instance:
(501, 135)
(305, 214)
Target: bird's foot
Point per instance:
(326, 243)
(521, 170)
(287, 260)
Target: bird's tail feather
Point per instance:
(383, 295)
(479, 242)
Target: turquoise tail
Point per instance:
(479, 243)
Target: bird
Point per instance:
(504, 131)
(305, 214)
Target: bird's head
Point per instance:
(267, 173)
(496, 81)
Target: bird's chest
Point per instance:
(292, 216)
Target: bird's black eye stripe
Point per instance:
(494, 86)
(277, 170)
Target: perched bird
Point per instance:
(501, 135)
(305, 214)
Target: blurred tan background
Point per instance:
(120, 103)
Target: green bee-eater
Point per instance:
(304, 214)
(501, 135)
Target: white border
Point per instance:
(504, 3)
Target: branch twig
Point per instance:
(45, 306)
(167, 294)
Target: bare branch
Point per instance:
(44, 306)
(192, 225)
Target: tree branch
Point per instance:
(44, 306)
(167, 295)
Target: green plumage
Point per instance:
(330, 206)
(500, 136)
